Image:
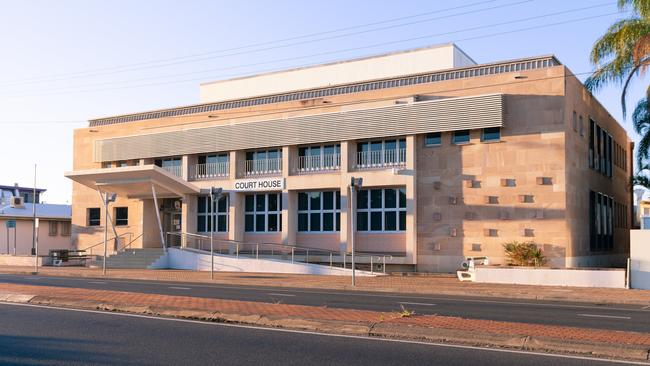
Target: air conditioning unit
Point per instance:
(17, 202)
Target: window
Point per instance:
(212, 218)
(264, 161)
(65, 228)
(53, 228)
(121, 216)
(93, 215)
(381, 209)
(319, 211)
(460, 137)
(213, 158)
(381, 152)
(581, 126)
(508, 182)
(433, 139)
(491, 134)
(122, 163)
(317, 157)
(492, 200)
(172, 165)
(263, 213)
(527, 198)
(601, 232)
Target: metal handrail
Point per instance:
(262, 166)
(210, 170)
(288, 250)
(381, 158)
(313, 163)
(126, 246)
(113, 238)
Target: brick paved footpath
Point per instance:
(419, 285)
(45, 294)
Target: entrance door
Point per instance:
(172, 221)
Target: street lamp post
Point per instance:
(107, 199)
(215, 193)
(355, 184)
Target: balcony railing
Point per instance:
(209, 171)
(381, 159)
(176, 170)
(262, 167)
(328, 162)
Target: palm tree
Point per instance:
(623, 52)
(641, 123)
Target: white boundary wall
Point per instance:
(188, 259)
(640, 259)
(611, 278)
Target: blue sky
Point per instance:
(64, 62)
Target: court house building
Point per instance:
(456, 159)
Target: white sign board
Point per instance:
(262, 184)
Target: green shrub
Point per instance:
(524, 254)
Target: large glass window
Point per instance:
(263, 161)
(601, 228)
(213, 218)
(319, 211)
(172, 165)
(316, 157)
(263, 213)
(381, 152)
(213, 158)
(382, 209)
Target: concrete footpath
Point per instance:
(401, 325)
(412, 284)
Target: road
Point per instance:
(616, 317)
(48, 336)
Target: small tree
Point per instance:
(524, 254)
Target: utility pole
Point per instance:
(215, 193)
(355, 184)
(34, 225)
(34, 214)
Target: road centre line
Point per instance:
(98, 282)
(415, 303)
(274, 294)
(179, 288)
(605, 316)
(350, 293)
(376, 339)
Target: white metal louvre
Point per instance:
(402, 119)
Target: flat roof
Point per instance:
(6, 188)
(350, 60)
(515, 65)
(43, 210)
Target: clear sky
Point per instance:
(65, 61)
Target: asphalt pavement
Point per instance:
(599, 316)
(32, 335)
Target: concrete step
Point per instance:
(134, 258)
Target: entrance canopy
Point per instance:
(134, 181)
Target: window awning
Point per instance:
(134, 181)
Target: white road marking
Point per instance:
(605, 316)
(415, 303)
(274, 294)
(98, 282)
(329, 334)
(179, 288)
